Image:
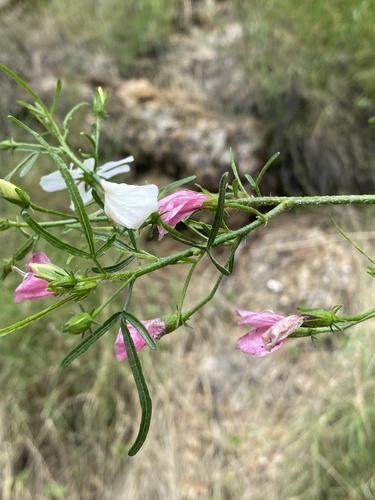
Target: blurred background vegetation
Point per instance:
(300, 425)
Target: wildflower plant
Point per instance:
(107, 220)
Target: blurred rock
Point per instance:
(181, 135)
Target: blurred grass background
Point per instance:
(299, 425)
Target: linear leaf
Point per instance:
(89, 341)
(143, 393)
(139, 326)
(52, 239)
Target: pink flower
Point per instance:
(31, 287)
(269, 331)
(156, 328)
(175, 207)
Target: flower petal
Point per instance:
(281, 330)
(52, 182)
(31, 289)
(258, 319)
(130, 205)
(37, 258)
(113, 168)
(156, 328)
(252, 343)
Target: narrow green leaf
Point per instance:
(219, 210)
(51, 239)
(90, 139)
(143, 393)
(221, 268)
(163, 191)
(34, 317)
(251, 182)
(108, 244)
(69, 116)
(264, 170)
(141, 329)
(119, 244)
(116, 267)
(89, 341)
(352, 242)
(55, 97)
(23, 84)
(24, 165)
(70, 184)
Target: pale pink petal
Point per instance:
(281, 330)
(156, 328)
(175, 207)
(33, 288)
(252, 343)
(258, 319)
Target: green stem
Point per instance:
(49, 211)
(102, 306)
(303, 201)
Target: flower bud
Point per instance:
(78, 323)
(14, 194)
(48, 271)
(100, 102)
(4, 224)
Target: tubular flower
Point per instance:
(269, 331)
(33, 288)
(156, 328)
(55, 182)
(130, 205)
(175, 207)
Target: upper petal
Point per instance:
(112, 168)
(258, 319)
(37, 258)
(130, 205)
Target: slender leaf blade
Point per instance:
(89, 341)
(52, 239)
(143, 393)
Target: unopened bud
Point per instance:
(47, 271)
(4, 224)
(100, 102)
(78, 323)
(14, 194)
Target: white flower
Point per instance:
(130, 205)
(55, 182)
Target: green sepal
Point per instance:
(89, 341)
(143, 393)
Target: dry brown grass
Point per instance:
(224, 425)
